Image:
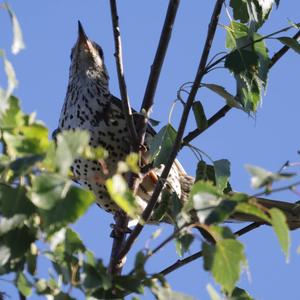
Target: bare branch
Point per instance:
(118, 234)
(177, 144)
(121, 77)
(156, 68)
(226, 108)
(160, 55)
(121, 219)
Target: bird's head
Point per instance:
(87, 59)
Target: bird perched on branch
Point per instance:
(89, 105)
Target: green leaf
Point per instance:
(23, 165)
(224, 260)
(290, 42)
(281, 229)
(12, 82)
(183, 243)
(165, 293)
(237, 35)
(221, 212)
(63, 296)
(214, 295)
(18, 43)
(204, 197)
(19, 240)
(68, 209)
(199, 115)
(42, 287)
(241, 60)
(162, 144)
(31, 259)
(206, 172)
(222, 173)
(12, 116)
(240, 11)
(70, 145)
(240, 294)
(31, 140)
(7, 224)
(130, 284)
(262, 177)
(120, 193)
(95, 276)
(14, 201)
(47, 189)
(73, 243)
(140, 260)
(162, 207)
(132, 161)
(24, 286)
(4, 255)
(250, 209)
(254, 11)
(221, 91)
(261, 11)
(249, 62)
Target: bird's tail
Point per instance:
(291, 210)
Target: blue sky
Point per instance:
(50, 29)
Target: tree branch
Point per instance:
(118, 234)
(177, 144)
(182, 262)
(121, 220)
(160, 55)
(156, 69)
(226, 108)
(121, 77)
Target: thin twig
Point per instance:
(226, 108)
(167, 240)
(177, 143)
(156, 69)
(276, 190)
(282, 51)
(115, 266)
(182, 262)
(121, 77)
(211, 121)
(160, 55)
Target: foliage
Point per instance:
(38, 200)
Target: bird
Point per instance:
(89, 105)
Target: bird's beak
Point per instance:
(82, 37)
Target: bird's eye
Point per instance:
(100, 51)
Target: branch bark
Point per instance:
(121, 77)
(156, 68)
(177, 144)
(226, 108)
(121, 219)
(118, 235)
